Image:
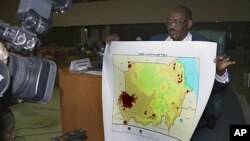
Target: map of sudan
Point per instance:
(154, 93)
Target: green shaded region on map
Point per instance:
(153, 92)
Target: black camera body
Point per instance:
(36, 19)
(29, 78)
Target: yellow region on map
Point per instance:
(153, 93)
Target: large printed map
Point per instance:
(156, 93)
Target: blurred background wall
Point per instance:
(138, 11)
(94, 20)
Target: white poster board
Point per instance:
(155, 90)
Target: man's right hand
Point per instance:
(112, 37)
(3, 53)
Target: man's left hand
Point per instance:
(222, 62)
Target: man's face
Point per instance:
(178, 25)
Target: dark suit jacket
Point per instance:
(162, 37)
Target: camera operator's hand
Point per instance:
(3, 53)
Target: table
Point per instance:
(81, 103)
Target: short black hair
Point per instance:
(185, 10)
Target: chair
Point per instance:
(218, 36)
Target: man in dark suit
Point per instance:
(179, 22)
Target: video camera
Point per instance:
(29, 78)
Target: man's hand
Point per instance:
(222, 62)
(112, 37)
(3, 53)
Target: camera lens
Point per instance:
(18, 73)
(32, 78)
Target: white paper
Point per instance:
(155, 90)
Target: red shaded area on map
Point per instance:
(125, 100)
